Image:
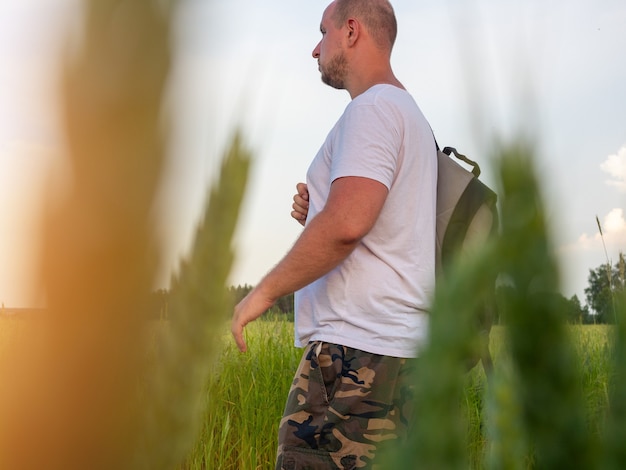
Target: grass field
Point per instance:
(246, 394)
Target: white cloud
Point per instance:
(614, 227)
(613, 230)
(615, 165)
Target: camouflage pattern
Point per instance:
(343, 406)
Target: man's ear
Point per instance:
(354, 29)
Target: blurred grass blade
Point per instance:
(94, 388)
(198, 308)
(78, 407)
(549, 381)
(507, 446)
(439, 438)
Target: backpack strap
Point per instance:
(460, 156)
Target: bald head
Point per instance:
(377, 16)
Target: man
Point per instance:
(364, 265)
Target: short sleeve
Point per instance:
(367, 144)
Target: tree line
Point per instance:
(604, 284)
(159, 302)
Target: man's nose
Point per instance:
(316, 51)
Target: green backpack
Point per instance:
(467, 215)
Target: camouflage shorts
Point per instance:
(344, 404)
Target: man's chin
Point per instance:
(333, 84)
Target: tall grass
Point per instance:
(246, 394)
(614, 454)
(245, 400)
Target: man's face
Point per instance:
(329, 52)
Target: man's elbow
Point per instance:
(350, 233)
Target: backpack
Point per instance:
(467, 216)
(466, 208)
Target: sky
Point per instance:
(480, 70)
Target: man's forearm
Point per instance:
(319, 249)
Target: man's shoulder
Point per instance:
(384, 96)
(387, 103)
(382, 92)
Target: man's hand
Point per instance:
(300, 203)
(249, 309)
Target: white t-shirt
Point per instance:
(377, 299)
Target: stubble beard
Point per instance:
(335, 71)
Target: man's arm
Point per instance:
(350, 212)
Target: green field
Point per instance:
(247, 393)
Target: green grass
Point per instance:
(245, 399)
(247, 392)
(592, 343)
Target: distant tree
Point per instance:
(604, 284)
(239, 292)
(570, 309)
(575, 312)
(284, 304)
